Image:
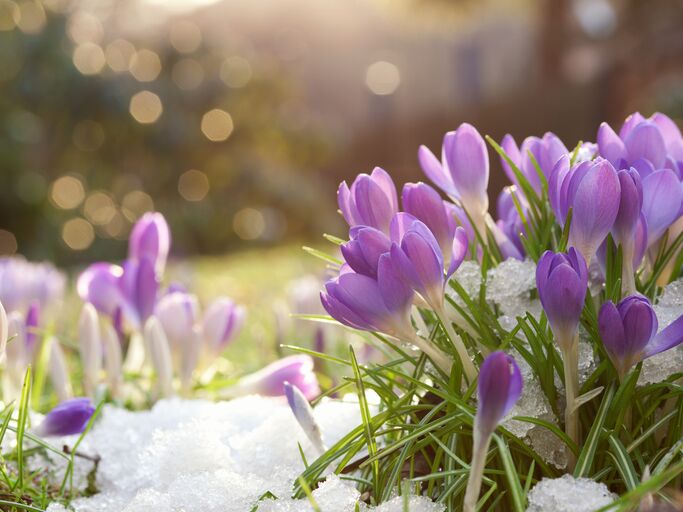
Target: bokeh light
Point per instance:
(236, 72)
(217, 125)
(83, 27)
(99, 208)
(185, 36)
(78, 234)
(89, 58)
(382, 78)
(145, 107)
(249, 223)
(9, 13)
(193, 185)
(135, 203)
(119, 54)
(30, 17)
(145, 65)
(67, 192)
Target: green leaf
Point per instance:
(623, 462)
(590, 447)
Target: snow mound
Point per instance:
(196, 455)
(569, 494)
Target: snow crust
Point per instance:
(196, 455)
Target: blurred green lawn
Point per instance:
(257, 279)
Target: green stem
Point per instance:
(465, 359)
(479, 450)
(628, 279)
(438, 356)
(570, 358)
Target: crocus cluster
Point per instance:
(166, 326)
(396, 259)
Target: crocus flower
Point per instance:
(68, 418)
(510, 224)
(371, 200)
(90, 348)
(23, 283)
(662, 198)
(364, 248)
(113, 360)
(498, 389)
(629, 332)
(463, 172)
(150, 239)
(160, 354)
(561, 280)
(222, 321)
(58, 370)
(270, 380)
(425, 204)
(646, 144)
(381, 304)
(592, 191)
(303, 412)
(546, 151)
(419, 260)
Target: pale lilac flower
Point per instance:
(371, 201)
(222, 321)
(150, 239)
(270, 380)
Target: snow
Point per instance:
(569, 494)
(196, 455)
(668, 308)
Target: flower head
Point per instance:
(222, 321)
(151, 239)
(270, 380)
(370, 201)
(546, 151)
(629, 332)
(68, 418)
(561, 280)
(498, 389)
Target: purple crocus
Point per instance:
(131, 289)
(510, 224)
(645, 144)
(363, 250)
(150, 239)
(546, 151)
(222, 321)
(499, 387)
(270, 380)
(626, 224)
(629, 332)
(591, 189)
(32, 327)
(561, 280)
(68, 418)
(418, 258)
(463, 172)
(662, 198)
(370, 201)
(424, 203)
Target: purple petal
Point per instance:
(645, 141)
(433, 169)
(671, 135)
(459, 250)
(662, 198)
(610, 144)
(150, 238)
(512, 151)
(630, 204)
(612, 333)
(499, 388)
(68, 418)
(426, 204)
(669, 337)
(99, 285)
(629, 124)
(468, 163)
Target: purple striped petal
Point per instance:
(435, 171)
(468, 163)
(669, 337)
(662, 197)
(499, 387)
(645, 141)
(610, 144)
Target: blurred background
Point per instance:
(237, 118)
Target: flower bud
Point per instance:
(150, 238)
(222, 321)
(498, 389)
(58, 370)
(270, 381)
(371, 200)
(68, 418)
(629, 332)
(113, 360)
(160, 354)
(561, 280)
(303, 412)
(90, 348)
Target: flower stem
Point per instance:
(570, 358)
(456, 340)
(628, 280)
(438, 357)
(479, 451)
